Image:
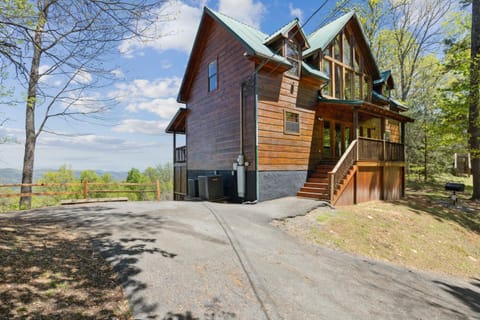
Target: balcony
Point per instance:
(180, 155)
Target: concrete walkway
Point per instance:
(198, 260)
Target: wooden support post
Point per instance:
(158, 190)
(402, 128)
(358, 144)
(174, 164)
(331, 180)
(356, 129)
(384, 156)
(85, 189)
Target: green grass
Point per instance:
(421, 231)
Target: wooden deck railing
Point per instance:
(83, 189)
(379, 150)
(180, 154)
(363, 149)
(341, 168)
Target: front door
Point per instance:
(336, 138)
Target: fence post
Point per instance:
(158, 190)
(384, 148)
(85, 189)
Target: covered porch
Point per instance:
(357, 153)
(177, 126)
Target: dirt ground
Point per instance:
(47, 272)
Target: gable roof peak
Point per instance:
(284, 30)
(320, 38)
(220, 14)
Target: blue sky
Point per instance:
(148, 76)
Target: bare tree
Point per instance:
(417, 29)
(70, 42)
(474, 99)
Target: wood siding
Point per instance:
(348, 195)
(213, 125)
(374, 180)
(277, 93)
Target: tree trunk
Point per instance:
(474, 115)
(30, 134)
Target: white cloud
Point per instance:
(118, 73)
(247, 11)
(165, 108)
(46, 78)
(156, 96)
(174, 30)
(295, 12)
(141, 126)
(166, 65)
(83, 77)
(93, 103)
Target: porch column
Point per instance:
(355, 123)
(383, 125)
(174, 160)
(402, 126)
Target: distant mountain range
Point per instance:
(9, 175)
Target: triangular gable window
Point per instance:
(343, 58)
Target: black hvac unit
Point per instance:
(210, 187)
(192, 188)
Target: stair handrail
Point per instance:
(341, 168)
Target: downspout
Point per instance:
(239, 164)
(242, 85)
(257, 177)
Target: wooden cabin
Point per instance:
(311, 115)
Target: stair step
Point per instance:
(325, 166)
(316, 184)
(312, 195)
(318, 180)
(314, 190)
(319, 175)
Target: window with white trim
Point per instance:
(291, 122)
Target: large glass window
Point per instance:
(326, 139)
(293, 56)
(366, 88)
(337, 51)
(338, 81)
(358, 86)
(348, 84)
(347, 51)
(357, 62)
(212, 76)
(327, 70)
(342, 61)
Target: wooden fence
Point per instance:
(85, 189)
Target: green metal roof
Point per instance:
(398, 104)
(383, 77)
(320, 38)
(340, 101)
(379, 96)
(283, 31)
(314, 72)
(252, 38)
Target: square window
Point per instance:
(212, 76)
(292, 122)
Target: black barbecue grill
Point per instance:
(454, 188)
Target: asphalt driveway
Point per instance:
(198, 260)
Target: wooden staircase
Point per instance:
(317, 184)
